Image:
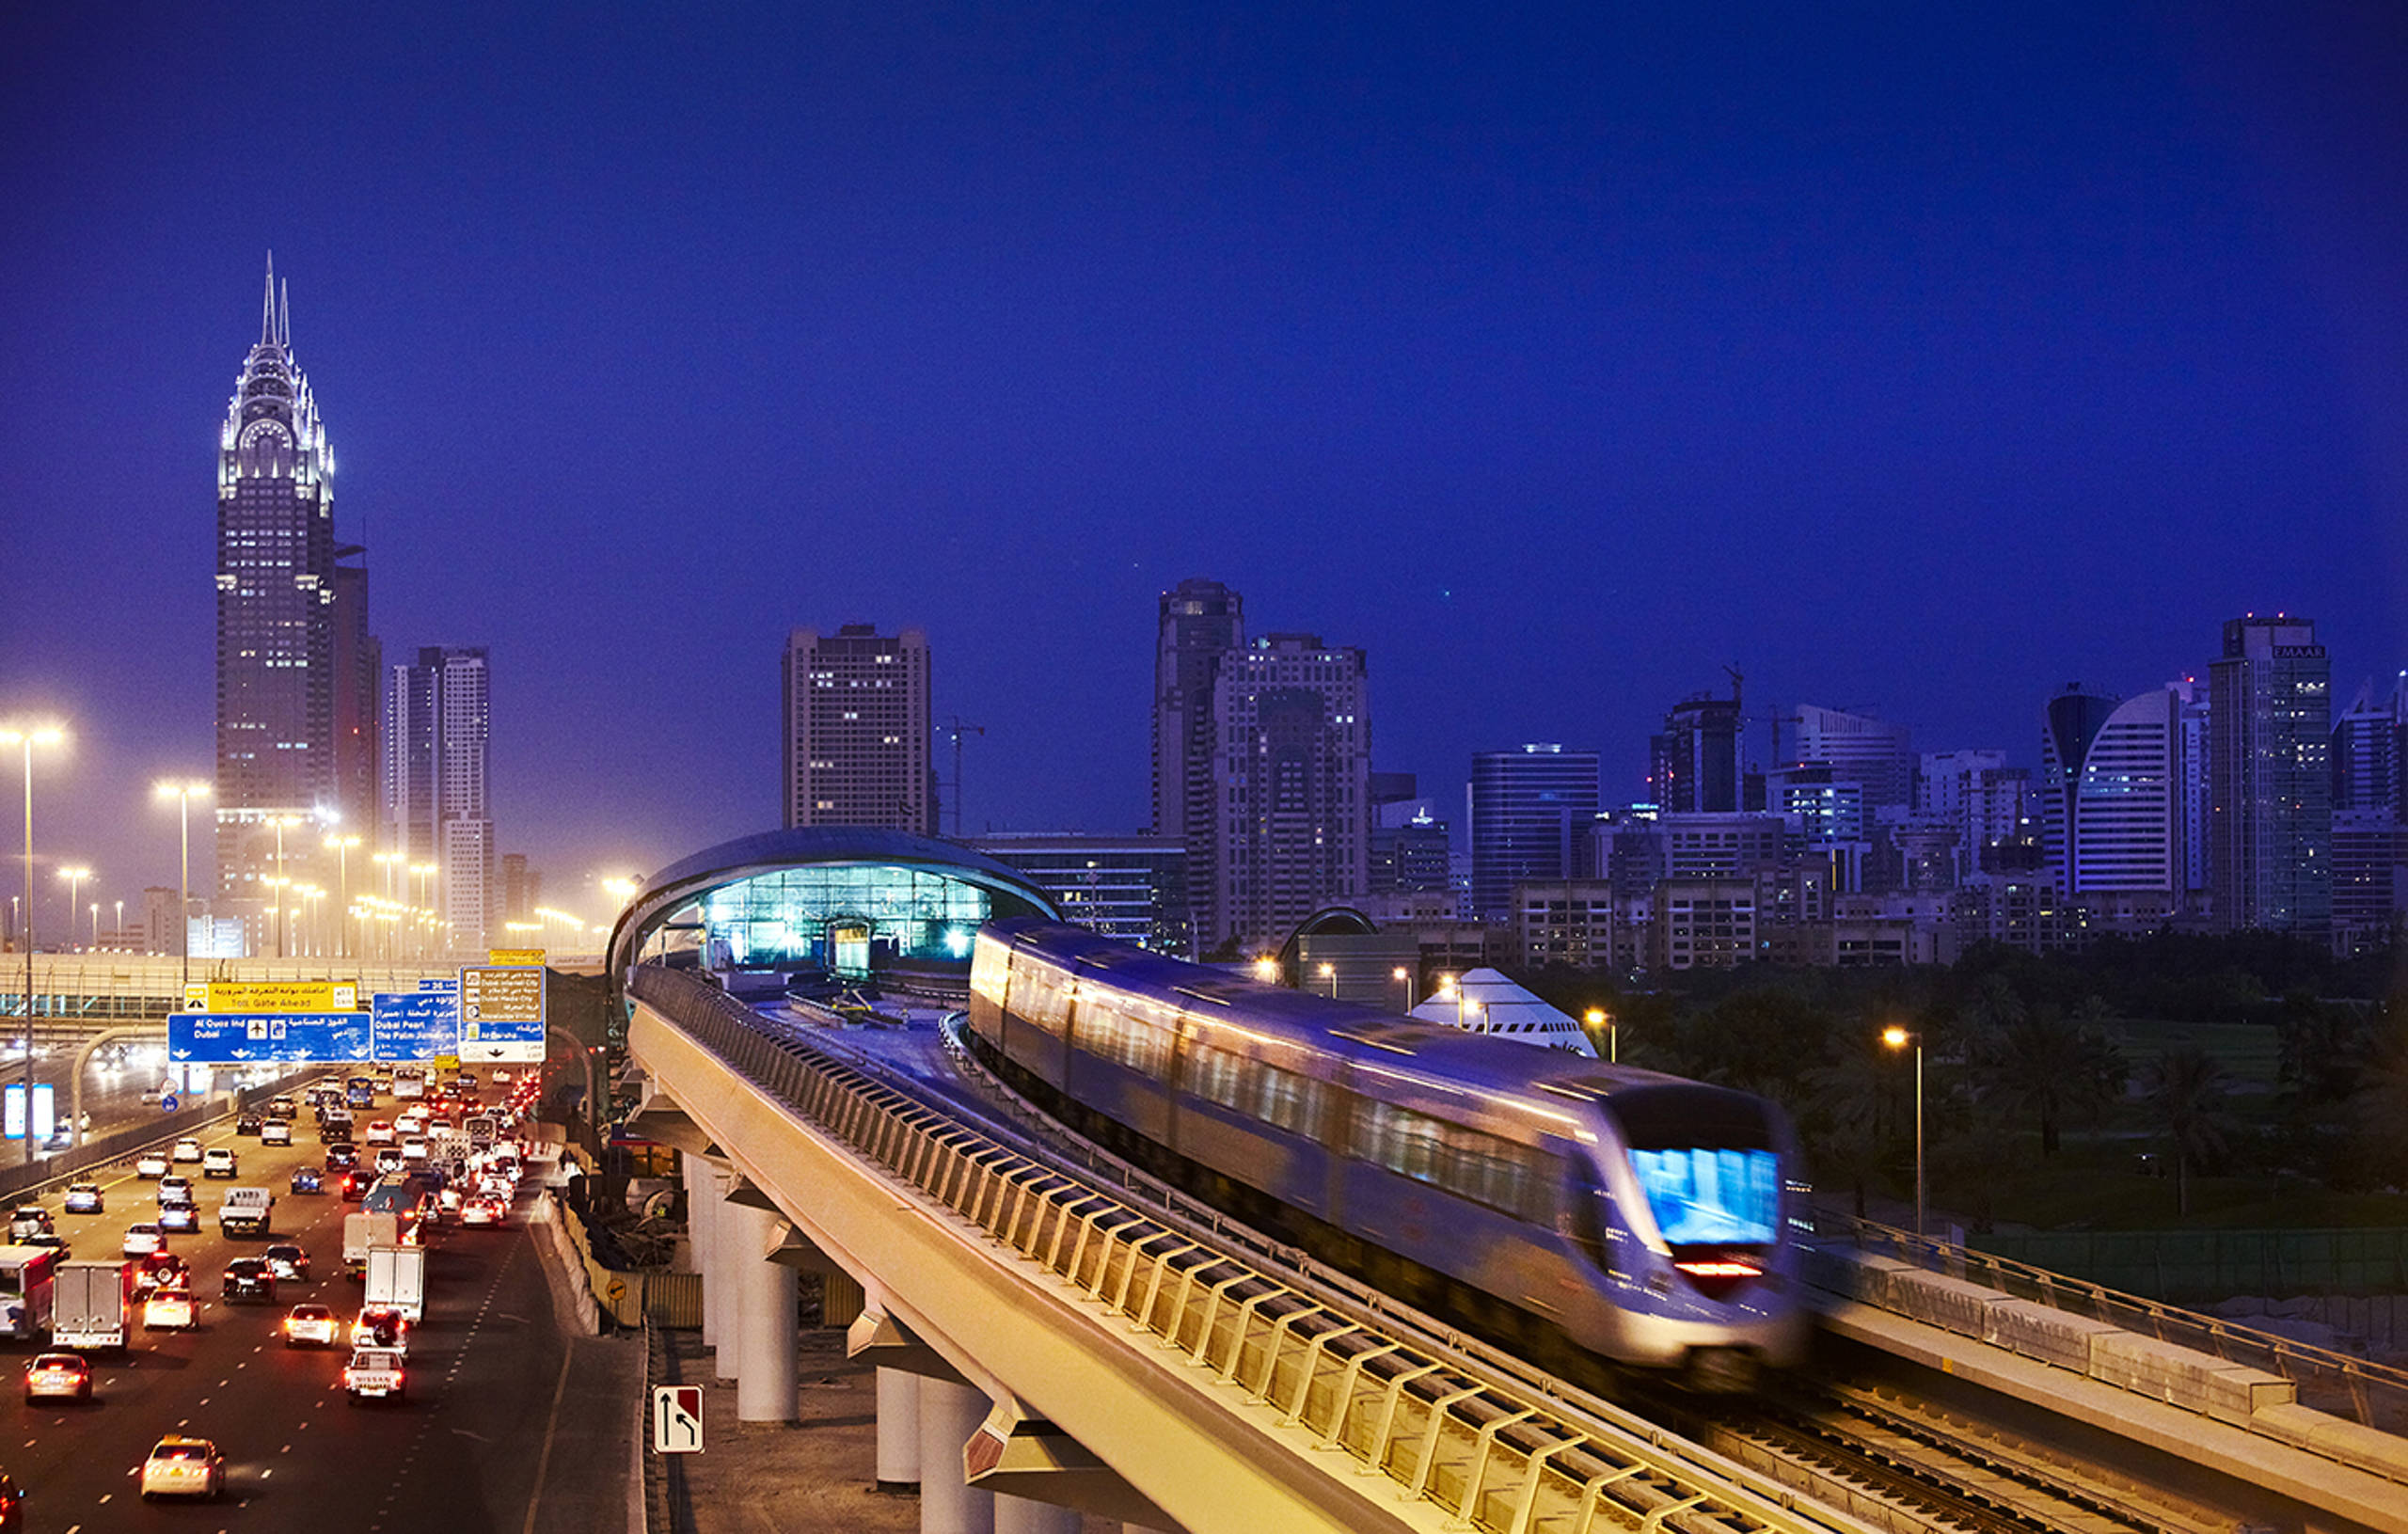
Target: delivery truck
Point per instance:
(92, 1303)
(246, 1211)
(363, 1231)
(397, 1279)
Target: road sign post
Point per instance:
(676, 1419)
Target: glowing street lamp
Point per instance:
(1266, 970)
(1898, 1038)
(182, 791)
(1329, 973)
(28, 736)
(1600, 1018)
(1404, 977)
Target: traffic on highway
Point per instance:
(252, 1317)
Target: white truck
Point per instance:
(246, 1211)
(363, 1231)
(374, 1373)
(28, 1282)
(92, 1303)
(397, 1277)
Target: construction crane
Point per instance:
(958, 729)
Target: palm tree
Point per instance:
(2186, 1088)
(1849, 1115)
(2047, 1064)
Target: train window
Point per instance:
(1288, 1101)
(1215, 1075)
(1465, 1162)
(1042, 995)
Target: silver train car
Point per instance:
(1534, 1196)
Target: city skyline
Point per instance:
(1444, 405)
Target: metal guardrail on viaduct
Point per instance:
(1232, 1398)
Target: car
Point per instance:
(389, 1160)
(283, 1107)
(218, 1162)
(30, 1220)
(160, 1270)
(12, 1504)
(380, 1131)
(168, 1310)
(357, 1182)
(374, 1373)
(181, 1218)
(484, 1213)
(86, 1198)
(277, 1131)
(248, 1279)
(150, 1164)
(288, 1261)
(185, 1149)
(174, 1189)
(181, 1466)
(311, 1326)
(144, 1238)
(414, 1151)
(57, 1376)
(307, 1180)
(342, 1158)
(381, 1326)
(247, 1124)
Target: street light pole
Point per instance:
(1599, 1018)
(30, 737)
(181, 791)
(1404, 977)
(1898, 1038)
(74, 878)
(1329, 973)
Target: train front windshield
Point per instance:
(1706, 1158)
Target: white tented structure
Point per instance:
(1484, 1002)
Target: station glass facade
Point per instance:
(844, 916)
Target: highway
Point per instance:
(500, 1429)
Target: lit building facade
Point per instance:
(1531, 809)
(1694, 765)
(1133, 888)
(1292, 730)
(1198, 624)
(276, 578)
(437, 808)
(2271, 823)
(1858, 748)
(856, 745)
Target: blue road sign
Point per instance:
(169, 1102)
(441, 982)
(414, 1024)
(229, 1039)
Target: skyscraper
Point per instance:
(856, 742)
(1198, 623)
(1531, 811)
(359, 681)
(275, 611)
(2120, 845)
(1693, 765)
(1861, 749)
(1291, 761)
(2271, 823)
(438, 717)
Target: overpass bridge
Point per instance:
(1075, 1336)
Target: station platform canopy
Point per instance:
(847, 899)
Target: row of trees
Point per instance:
(2018, 1054)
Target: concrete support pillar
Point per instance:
(899, 1430)
(1018, 1515)
(718, 1287)
(949, 1413)
(761, 1295)
(702, 1202)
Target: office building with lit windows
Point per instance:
(2269, 828)
(1533, 808)
(437, 811)
(856, 736)
(1292, 738)
(276, 595)
(1133, 888)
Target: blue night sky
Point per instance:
(1915, 361)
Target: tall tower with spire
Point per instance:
(277, 595)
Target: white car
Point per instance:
(184, 1467)
(218, 1161)
(168, 1310)
(150, 1164)
(380, 1132)
(275, 1132)
(413, 1150)
(144, 1238)
(187, 1150)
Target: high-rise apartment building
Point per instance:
(857, 729)
(2116, 837)
(359, 684)
(1859, 748)
(1291, 759)
(1532, 810)
(277, 595)
(438, 729)
(2270, 743)
(1198, 624)
(1693, 765)
(2367, 745)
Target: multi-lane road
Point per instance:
(508, 1424)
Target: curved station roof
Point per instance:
(839, 897)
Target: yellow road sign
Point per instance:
(515, 956)
(251, 996)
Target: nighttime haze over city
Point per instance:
(1915, 365)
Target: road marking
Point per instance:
(269, 1471)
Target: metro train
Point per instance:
(1530, 1195)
